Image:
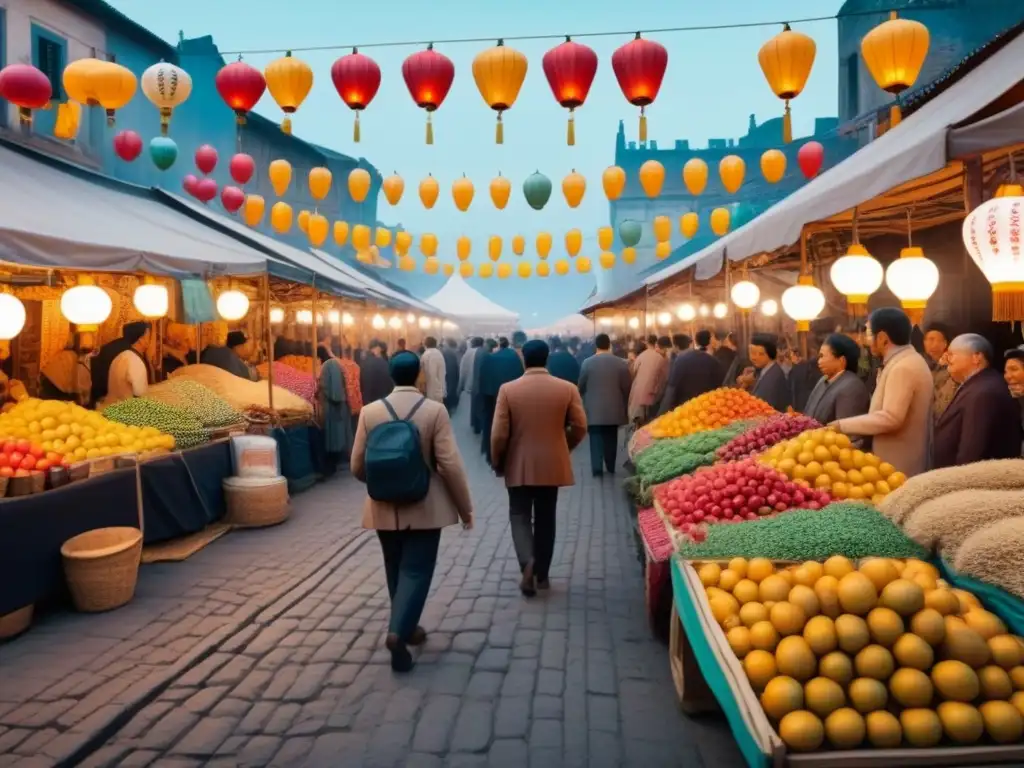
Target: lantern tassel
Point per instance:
(355, 129)
(25, 115)
(787, 125)
(643, 126)
(570, 138)
(110, 118)
(286, 125)
(430, 130)
(895, 115)
(165, 120)
(1008, 302)
(499, 131)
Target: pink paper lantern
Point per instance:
(206, 158)
(242, 167)
(232, 198)
(810, 158)
(206, 189)
(189, 184)
(128, 145)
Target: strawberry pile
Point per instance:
(766, 434)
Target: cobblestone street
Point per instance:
(266, 649)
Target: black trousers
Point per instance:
(532, 519)
(604, 447)
(409, 561)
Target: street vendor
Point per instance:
(229, 357)
(128, 375)
(131, 336)
(66, 376)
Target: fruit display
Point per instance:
(850, 528)
(292, 379)
(157, 417)
(301, 363)
(709, 411)
(197, 401)
(23, 458)
(241, 394)
(77, 433)
(672, 457)
(944, 524)
(827, 460)
(639, 442)
(992, 554)
(765, 434)
(881, 654)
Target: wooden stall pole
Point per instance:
(316, 359)
(269, 339)
(802, 335)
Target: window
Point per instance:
(852, 86)
(48, 54)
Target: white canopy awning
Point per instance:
(461, 301)
(572, 325)
(1001, 130)
(914, 148)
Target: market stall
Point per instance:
(473, 311)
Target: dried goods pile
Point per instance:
(639, 442)
(709, 411)
(944, 524)
(241, 394)
(142, 412)
(199, 402)
(881, 655)
(993, 555)
(765, 434)
(302, 363)
(295, 381)
(676, 456)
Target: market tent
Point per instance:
(914, 148)
(573, 325)
(471, 309)
(54, 214)
(384, 293)
(1003, 129)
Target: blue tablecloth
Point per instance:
(301, 453)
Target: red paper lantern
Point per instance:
(241, 86)
(428, 76)
(570, 69)
(242, 167)
(189, 183)
(356, 79)
(25, 87)
(206, 189)
(640, 67)
(810, 158)
(128, 145)
(232, 198)
(206, 159)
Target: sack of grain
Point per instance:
(240, 393)
(1001, 474)
(995, 554)
(942, 525)
(198, 401)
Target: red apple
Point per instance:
(42, 465)
(23, 446)
(6, 471)
(37, 451)
(29, 462)
(9, 446)
(16, 458)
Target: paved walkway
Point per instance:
(266, 649)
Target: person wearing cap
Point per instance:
(128, 375)
(229, 357)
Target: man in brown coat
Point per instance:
(538, 421)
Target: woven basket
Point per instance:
(14, 623)
(102, 567)
(255, 502)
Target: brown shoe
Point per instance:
(527, 585)
(401, 659)
(417, 637)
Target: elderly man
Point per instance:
(770, 383)
(982, 421)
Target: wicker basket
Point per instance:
(14, 623)
(255, 502)
(102, 567)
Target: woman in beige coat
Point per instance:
(410, 534)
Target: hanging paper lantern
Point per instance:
(574, 186)
(504, 271)
(356, 78)
(303, 221)
(232, 198)
(720, 219)
(486, 270)
(562, 267)
(463, 247)
(912, 278)
(570, 68)
(403, 241)
(12, 321)
(856, 275)
(652, 177)
(573, 242)
(448, 270)
(803, 302)
(524, 270)
(341, 232)
(151, 299)
(406, 263)
(630, 232)
(543, 269)
(993, 236)
(429, 190)
(127, 145)
(242, 167)
(629, 255)
(537, 190)
(499, 73)
(773, 166)
(167, 87)
(583, 265)
(614, 181)
(786, 61)
(769, 307)
(280, 173)
(206, 159)
(518, 245)
(639, 67)
(358, 184)
(745, 295)
(465, 270)
(393, 187)
(205, 189)
(252, 211)
(606, 260)
(361, 239)
(501, 188)
(80, 79)
(428, 245)
(809, 158)
(431, 266)
(494, 245)
(319, 182)
(86, 306)
(428, 75)
(281, 217)
(662, 250)
(25, 87)
(289, 81)
(662, 228)
(605, 238)
(113, 87)
(543, 244)
(695, 175)
(317, 229)
(69, 117)
(241, 86)
(163, 152)
(689, 223)
(731, 170)
(382, 237)
(462, 193)
(894, 53)
(189, 183)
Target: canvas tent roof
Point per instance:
(376, 288)
(571, 325)
(460, 300)
(1000, 130)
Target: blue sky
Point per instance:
(712, 85)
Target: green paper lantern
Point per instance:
(630, 233)
(163, 151)
(537, 190)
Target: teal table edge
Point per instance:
(1006, 606)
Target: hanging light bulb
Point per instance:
(704, 311)
(395, 323)
(606, 322)
(333, 316)
(634, 323)
(803, 302)
(304, 317)
(87, 306)
(347, 319)
(232, 305)
(12, 320)
(276, 315)
(424, 322)
(721, 310)
(686, 312)
(410, 318)
(769, 307)
(856, 275)
(913, 278)
(379, 323)
(745, 295)
(151, 299)
(664, 318)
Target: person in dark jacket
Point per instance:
(100, 368)
(982, 421)
(693, 373)
(503, 366)
(770, 382)
(229, 358)
(375, 374)
(681, 342)
(561, 364)
(604, 386)
(451, 374)
(839, 393)
(727, 349)
(803, 378)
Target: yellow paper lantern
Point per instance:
(281, 217)
(894, 53)
(583, 265)
(606, 260)
(403, 242)
(360, 237)
(695, 175)
(773, 166)
(614, 181)
(280, 173)
(629, 255)
(289, 81)
(341, 232)
(462, 193)
(494, 247)
(662, 250)
(524, 269)
(463, 247)
(504, 270)
(431, 266)
(543, 244)
(448, 270)
(406, 263)
(518, 245)
(786, 61)
(574, 186)
(319, 181)
(303, 221)
(69, 116)
(662, 228)
(562, 267)
(543, 269)
(113, 86)
(731, 170)
(689, 223)
(486, 270)
(393, 187)
(80, 78)
(429, 190)
(499, 73)
(317, 229)
(466, 269)
(605, 238)
(501, 188)
(358, 184)
(252, 210)
(720, 218)
(573, 242)
(428, 245)
(382, 237)
(652, 177)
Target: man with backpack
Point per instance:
(405, 452)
